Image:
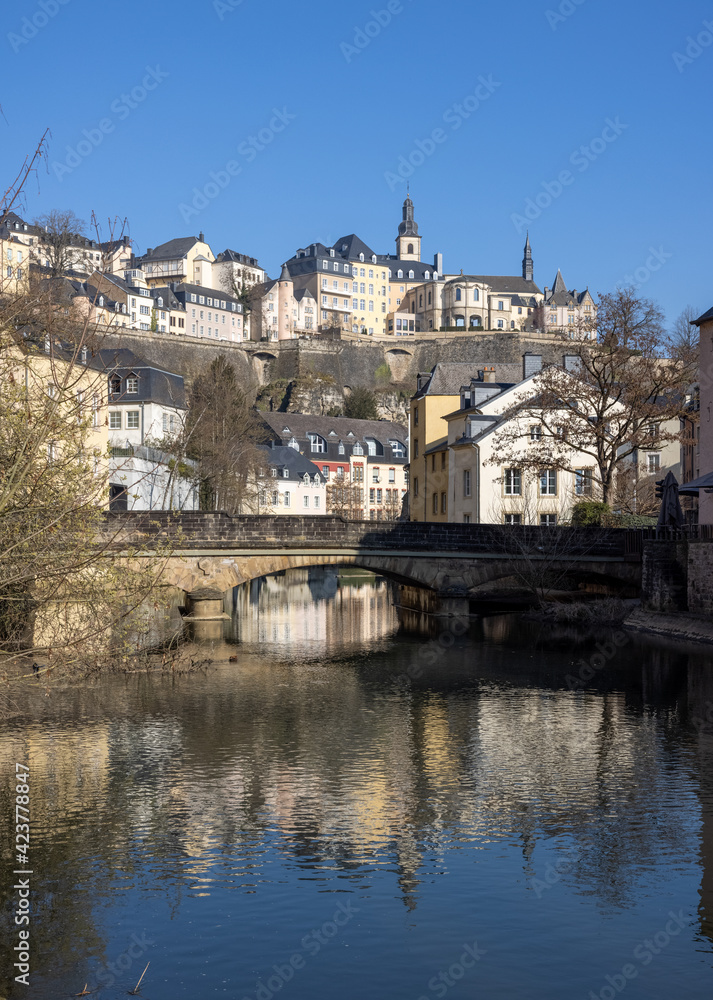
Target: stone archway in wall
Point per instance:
(262, 366)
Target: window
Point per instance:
(501, 305)
(132, 420)
(652, 430)
(548, 520)
(466, 519)
(305, 501)
(434, 503)
(275, 498)
(444, 502)
(513, 482)
(415, 486)
(653, 462)
(548, 483)
(132, 384)
(466, 482)
(415, 448)
(285, 473)
(316, 502)
(443, 459)
(372, 493)
(379, 496)
(317, 443)
(398, 450)
(115, 420)
(392, 475)
(536, 432)
(415, 416)
(286, 498)
(357, 449)
(115, 385)
(583, 482)
(513, 519)
(458, 295)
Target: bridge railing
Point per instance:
(209, 530)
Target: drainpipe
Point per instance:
(142, 423)
(477, 483)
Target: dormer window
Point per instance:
(160, 301)
(427, 275)
(373, 258)
(294, 444)
(115, 385)
(410, 274)
(132, 384)
(399, 273)
(101, 301)
(361, 257)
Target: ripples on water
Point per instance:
(442, 791)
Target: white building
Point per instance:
(296, 485)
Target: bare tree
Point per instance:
(684, 336)
(222, 434)
(615, 397)
(345, 498)
(60, 247)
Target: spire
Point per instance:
(408, 227)
(559, 285)
(527, 265)
(285, 274)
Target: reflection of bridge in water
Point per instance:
(454, 562)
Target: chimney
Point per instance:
(201, 237)
(488, 375)
(438, 262)
(531, 363)
(149, 251)
(570, 362)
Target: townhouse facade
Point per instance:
(571, 311)
(472, 473)
(367, 456)
(296, 485)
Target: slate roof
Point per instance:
(354, 246)
(501, 282)
(282, 457)
(172, 250)
(704, 318)
(447, 378)
(238, 258)
(300, 424)
(559, 295)
(213, 293)
(155, 384)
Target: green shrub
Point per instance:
(590, 513)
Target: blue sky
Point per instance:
(593, 117)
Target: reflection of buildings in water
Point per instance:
(700, 715)
(313, 606)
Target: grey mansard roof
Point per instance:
(299, 425)
(447, 378)
(156, 385)
(281, 457)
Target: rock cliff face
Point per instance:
(314, 376)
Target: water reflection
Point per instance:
(451, 785)
(314, 611)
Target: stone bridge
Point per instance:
(453, 562)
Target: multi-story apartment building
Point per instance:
(437, 394)
(178, 260)
(296, 485)
(354, 286)
(369, 455)
(479, 470)
(233, 271)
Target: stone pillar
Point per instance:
(664, 571)
(205, 604)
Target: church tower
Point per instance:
(408, 242)
(527, 266)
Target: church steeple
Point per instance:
(408, 242)
(527, 265)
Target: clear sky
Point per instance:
(592, 117)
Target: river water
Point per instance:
(371, 804)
